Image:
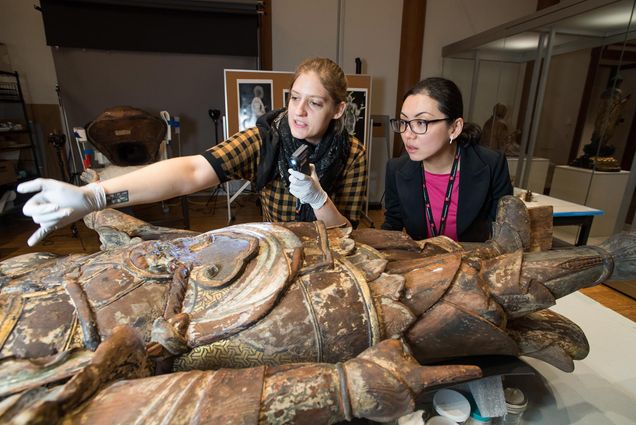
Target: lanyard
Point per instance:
(447, 198)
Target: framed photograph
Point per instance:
(285, 97)
(243, 88)
(356, 113)
(255, 99)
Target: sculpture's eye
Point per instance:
(158, 268)
(211, 271)
(207, 276)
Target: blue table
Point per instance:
(565, 213)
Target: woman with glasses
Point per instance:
(445, 183)
(332, 191)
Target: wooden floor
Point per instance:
(204, 215)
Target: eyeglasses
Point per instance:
(418, 126)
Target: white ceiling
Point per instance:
(576, 24)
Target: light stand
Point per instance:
(58, 141)
(67, 133)
(215, 115)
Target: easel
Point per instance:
(364, 216)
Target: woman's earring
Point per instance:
(450, 142)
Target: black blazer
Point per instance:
(483, 179)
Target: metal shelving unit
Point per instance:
(18, 154)
(15, 130)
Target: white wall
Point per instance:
(371, 31)
(22, 31)
(448, 21)
(302, 29)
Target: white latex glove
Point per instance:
(307, 188)
(58, 204)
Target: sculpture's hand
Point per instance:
(57, 204)
(384, 380)
(307, 188)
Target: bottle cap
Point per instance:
(440, 420)
(451, 404)
(516, 401)
(515, 396)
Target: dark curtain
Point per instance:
(176, 26)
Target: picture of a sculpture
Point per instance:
(255, 99)
(277, 323)
(355, 114)
(598, 153)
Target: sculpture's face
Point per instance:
(212, 260)
(311, 108)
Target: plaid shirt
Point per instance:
(238, 158)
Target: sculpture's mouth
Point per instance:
(133, 152)
(127, 136)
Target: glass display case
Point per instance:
(554, 91)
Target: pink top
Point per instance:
(436, 185)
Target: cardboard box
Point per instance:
(7, 172)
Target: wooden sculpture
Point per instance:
(269, 294)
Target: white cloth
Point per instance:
(602, 388)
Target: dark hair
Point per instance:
(332, 78)
(449, 102)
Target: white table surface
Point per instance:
(560, 208)
(602, 388)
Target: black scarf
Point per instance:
(329, 156)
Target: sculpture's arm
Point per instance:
(380, 384)
(494, 289)
(116, 229)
